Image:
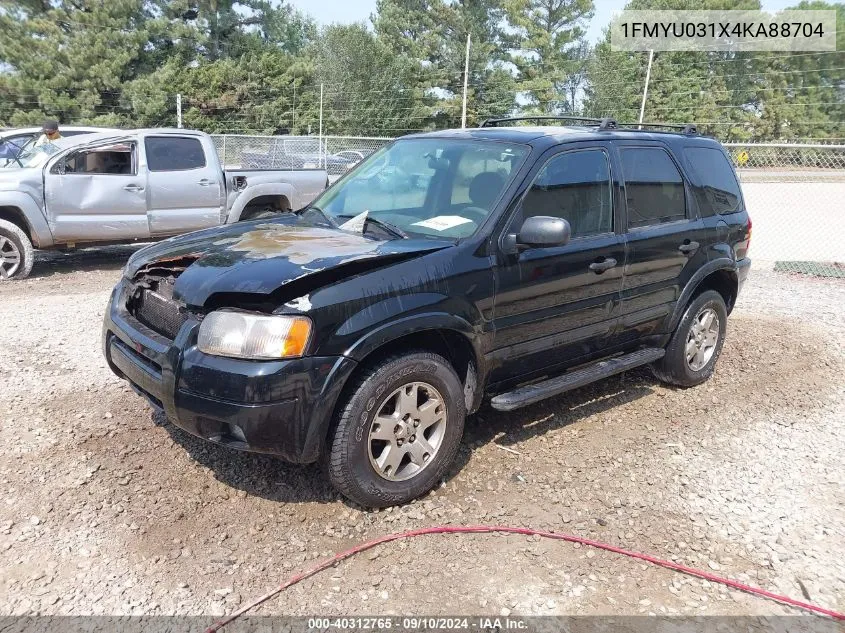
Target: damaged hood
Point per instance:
(260, 257)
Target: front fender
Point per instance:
(32, 214)
(413, 324)
(254, 191)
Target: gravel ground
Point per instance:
(106, 508)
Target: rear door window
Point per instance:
(719, 191)
(654, 187)
(174, 153)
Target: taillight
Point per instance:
(748, 234)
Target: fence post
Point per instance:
(179, 111)
(224, 151)
(320, 134)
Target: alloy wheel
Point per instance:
(10, 257)
(702, 339)
(407, 431)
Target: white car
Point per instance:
(13, 141)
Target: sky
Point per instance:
(346, 11)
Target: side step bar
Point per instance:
(536, 392)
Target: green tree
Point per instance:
(550, 51)
(367, 88)
(218, 29)
(69, 59)
(439, 48)
(684, 87)
(259, 93)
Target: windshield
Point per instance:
(33, 155)
(429, 187)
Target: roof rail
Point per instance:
(606, 123)
(541, 117)
(686, 128)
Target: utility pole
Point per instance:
(466, 78)
(179, 111)
(320, 135)
(645, 88)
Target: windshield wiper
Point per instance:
(387, 226)
(313, 207)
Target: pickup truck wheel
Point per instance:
(398, 431)
(697, 342)
(16, 256)
(260, 214)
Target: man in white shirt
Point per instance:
(49, 132)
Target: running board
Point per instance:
(536, 392)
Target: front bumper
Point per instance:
(279, 407)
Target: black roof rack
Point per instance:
(540, 117)
(606, 123)
(686, 128)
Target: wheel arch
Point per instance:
(276, 194)
(17, 215)
(445, 334)
(719, 275)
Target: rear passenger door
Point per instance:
(186, 189)
(665, 240)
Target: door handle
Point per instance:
(605, 264)
(134, 188)
(205, 182)
(688, 248)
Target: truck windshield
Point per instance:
(427, 187)
(32, 155)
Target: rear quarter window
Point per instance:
(718, 191)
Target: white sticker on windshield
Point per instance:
(442, 222)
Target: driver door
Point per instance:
(97, 194)
(556, 306)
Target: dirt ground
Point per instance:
(106, 508)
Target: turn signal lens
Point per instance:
(253, 336)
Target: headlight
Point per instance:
(242, 335)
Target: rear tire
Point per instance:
(697, 342)
(398, 431)
(16, 254)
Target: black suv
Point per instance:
(503, 263)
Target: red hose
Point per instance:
(484, 529)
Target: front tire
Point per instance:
(697, 342)
(398, 431)
(16, 255)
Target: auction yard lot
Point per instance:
(105, 508)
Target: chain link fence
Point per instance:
(795, 193)
(337, 154)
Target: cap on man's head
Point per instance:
(50, 125)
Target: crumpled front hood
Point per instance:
(260, 257)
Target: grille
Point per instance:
(158, 312)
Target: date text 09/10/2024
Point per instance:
(411, 623)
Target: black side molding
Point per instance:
(536, 392)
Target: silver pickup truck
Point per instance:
(139, 185)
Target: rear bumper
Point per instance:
(742, 268)
(278, 407)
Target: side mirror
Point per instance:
(539, 231)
